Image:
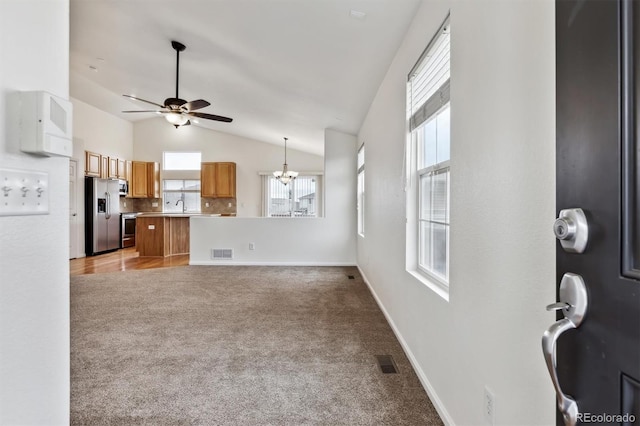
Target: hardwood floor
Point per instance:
(123, 260)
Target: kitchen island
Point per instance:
(163, 234)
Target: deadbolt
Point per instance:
(572, 230)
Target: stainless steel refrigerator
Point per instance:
(102, 215)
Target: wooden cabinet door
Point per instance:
(113, 168)
(218, 180)
(208, 180)
(122, 169)
(104, 167)
(153, 180)
(128, 176)
(92, 164)
(138, 185)
(226, 180)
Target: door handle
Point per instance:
(573, 303)
(108, 212)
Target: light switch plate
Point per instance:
(23, 192)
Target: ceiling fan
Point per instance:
(178, 111)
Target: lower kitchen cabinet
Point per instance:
(162, 236)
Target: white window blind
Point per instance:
(299, 198)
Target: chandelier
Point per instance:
(285, 176)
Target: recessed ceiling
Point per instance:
(278, 67)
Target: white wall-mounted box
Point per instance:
(45, 124)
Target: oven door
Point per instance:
(128, 231)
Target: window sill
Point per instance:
(437, 286)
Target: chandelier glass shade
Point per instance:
(285, 175)
(176, 118)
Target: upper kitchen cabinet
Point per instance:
(153, 180)
(145, 180)
(218, 180)
(102, 166)
(122, 169)
(113, 168)
(92, 164)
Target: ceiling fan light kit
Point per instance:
(177, 111)
(285, 176)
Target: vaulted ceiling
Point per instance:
(278, 67)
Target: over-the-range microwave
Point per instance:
(123, 187)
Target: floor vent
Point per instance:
(221, 254)
(386, 363)
(351, 277)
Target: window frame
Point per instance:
(420, 112)
(360, 190)
(181, 191)
(268, 178)
(171, 153)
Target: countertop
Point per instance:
(161, 214)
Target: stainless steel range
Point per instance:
(128, 229)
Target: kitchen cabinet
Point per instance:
(122, 168)
(161, 236)
(104, 167)
(218, 180)
(92, 164)
(153, 180)
(113, 168)
(138, 185)
(145, 180)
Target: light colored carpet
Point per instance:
(229, 345)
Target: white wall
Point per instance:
(502, 203)
(329, 240)
(34, 268)
(155, 135)
(102, 132)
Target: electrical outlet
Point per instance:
(252, 246)
(154, 204)
(206, 204)
(489, 406)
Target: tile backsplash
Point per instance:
(224, 206)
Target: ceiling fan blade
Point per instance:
(143, 100)
(146, 110)
(210, 116)
(197, 104)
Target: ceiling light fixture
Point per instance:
(285, 176)
(176, 118)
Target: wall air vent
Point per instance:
(221, 254)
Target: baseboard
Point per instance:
(249, 263)
(437, 403)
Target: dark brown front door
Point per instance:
(598, 170)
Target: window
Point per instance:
(360, 201)
(429, 125)
(181, 182)
(181, 195)
(181, 160)
(299, 198)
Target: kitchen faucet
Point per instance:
(181, 199)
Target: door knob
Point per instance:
(573, 303)
(572, 230)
